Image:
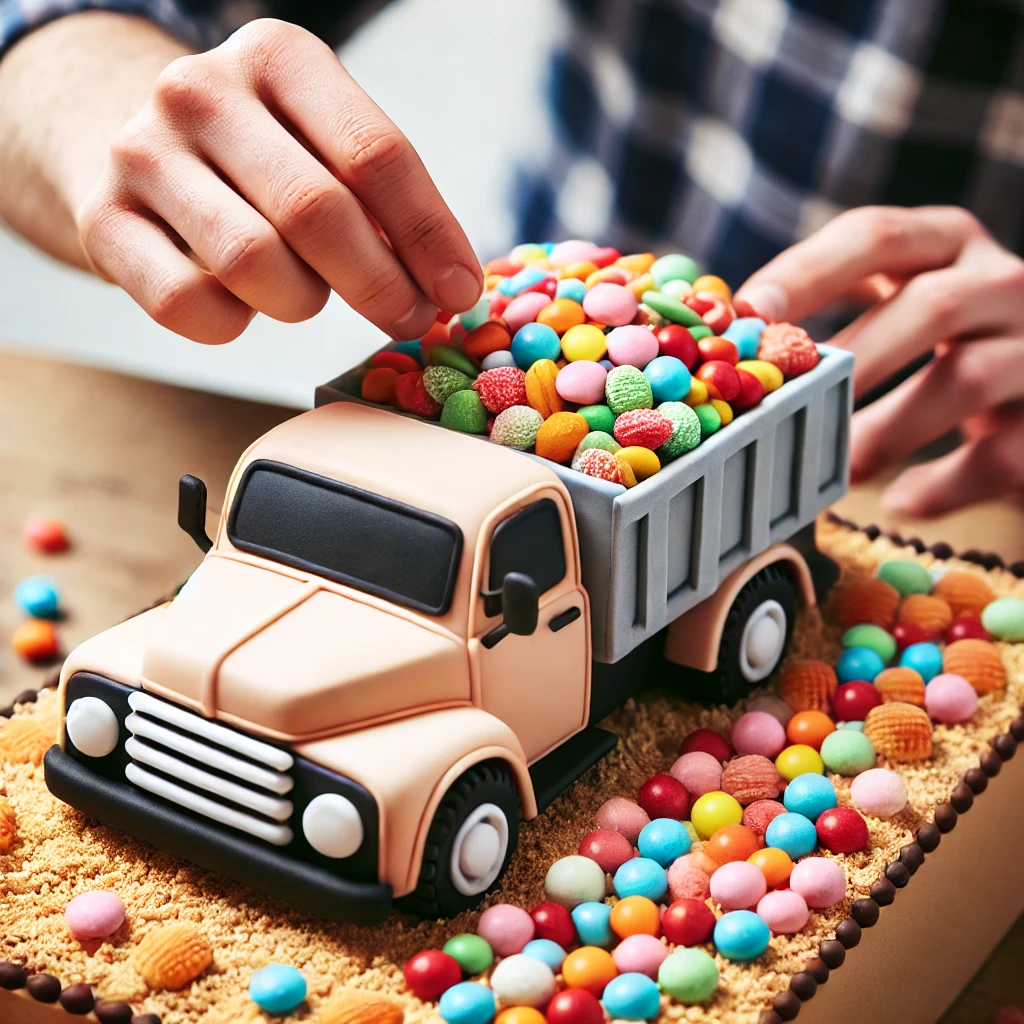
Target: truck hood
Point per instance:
(292, 659)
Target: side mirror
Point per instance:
(520, 605)
(192, 510)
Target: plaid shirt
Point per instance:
(730, 128)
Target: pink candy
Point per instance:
(949, 698)
(94, 915)
(784, 911)
(738, 885)
(622, 816)
(820, 881)
(523, 309)
(632, 345)
(772, 705)
(699, 772)
(573, 250)
(640, 954)
(611, 304)
(687, 877)
(879, 792)
(506, 928)
(581, 382)
(758, 732)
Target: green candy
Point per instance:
(906, 577)
(441, 382)
(686, 434)
(599, 439)
(1004, 618)
(465, 412)
(626, 388)
(445, 355)
(847, 752)
(672, 309)
(700, 331)
(709, 417)
(517, 427)
(689, 975)
(674, 267)
(874, 638)
(471, 952)
(600, 417)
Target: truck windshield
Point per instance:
(349, 535)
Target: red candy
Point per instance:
(663, 796)
(966, 627)
(758, 815)
(502, 266)
(721, 379)
(698, 305)
(378, 385)
(400, 361)
(574, 1006)
(411, 395)
(46, 535)
(687, 922)
(646, 428)
(718, 348)
(604, 257)
(907, 633)
(789, 348)
(552, 921)
(842, 830)
(609, 849)
(674, 340)
(501, 388)
(719, 316)
(546, 287)
(708, 741)
(751, 391)
(853, 701)
(431, 973)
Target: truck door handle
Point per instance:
(560, 621)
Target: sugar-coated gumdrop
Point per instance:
(463, 411)
(411, 396)
(441, 382)
(626, 389)
(685, 431)
(759, 815)
(517, 427)
(689, 877)
(502, 388)
(645, 428)
(597, 462)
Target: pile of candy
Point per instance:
(36, 638)
(613, 364)
(727, 848)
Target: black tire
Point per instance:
(435, 894)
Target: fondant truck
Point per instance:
(401, 639)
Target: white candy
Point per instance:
(522, 981)
(879, 792)
(574, 880)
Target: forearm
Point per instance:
(65, 90)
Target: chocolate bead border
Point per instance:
(75, 1000)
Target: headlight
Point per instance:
(332, 825)
(92, 726)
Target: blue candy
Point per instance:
(631, 996)
(571, 288)
(526, 278)
(810, 795)
(547, 951)
(925, 659)
(641, 876)
(535, 341)
(745, 334)
(592, 924)
(858, 663)
(277, 988)
(793, 833)
(38, 596)
(663, 840)
(410, 348)
(669, 379)
(467, 1003)
(741, 934)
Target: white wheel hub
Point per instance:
(479, 850)
(762, 642)
(92, 726)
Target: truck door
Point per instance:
(538, 684)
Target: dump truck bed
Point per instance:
(652, 552)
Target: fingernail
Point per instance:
(415, 323)
(457, 288)
(767, 299)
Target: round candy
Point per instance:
(493, 338)
(627, 388)
(669, 379)
(809, 795)
(852, 701)
(574, 1006)
(687, 922)
(709, 742)
(784, 911)
(522, 981)
(571, 288)
(623, 816)
(745, 333)
(548, 952)
(768, 374)
(95, 914)
(559, 436)
(848, 752)
(1004, 619)
(467, 1003)
(507, 928)
(635, 915)
(582, 382)
(378, 385)
(609, 849)
(792, 833)
(879, 640)
(879, 792)
(714, 810)
(741, 935)
(663, 840)
(589, 968)
(757, 732)
(731, 842)
(476, 314)
(924, 658)
(842, 830)
(688, 975)
(632, 997)
(600, 417)
(699, 772)
(674, 267)
(535, 341)
(35, 640)
(517, 427)
(278, 988)
(713, 347)
(562, 314)
(571, 881)
(584, 342)
(966, 627)
(760, 813)
(775, 864)
(907, 633)
(738, 885)
(949, 698)
(642, 461)
(610, 304)
(472, 953)
(446, 355)
(632, 346)
(689, 877)
(641, 876)
(907, 577)
(686, 430)
(520, 1015)
(573, 250)
(663, 796)
(640, 953)
(593, 924)
(821, 882)
(38, 596)
(48, 535)
(799, 759)
(809, 728)
(675, 340)
(858, 663)
(554, 922)
(710, 420)
(720, 378)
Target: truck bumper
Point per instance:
(303, 885)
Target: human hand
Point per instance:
(938, 282)
(283, 179)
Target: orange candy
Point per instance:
(581, 270)
(810, 728)
(714, 285)
(490, 336)
(641, 284)
(378, 386)
(732, 842)
(560, 434)
(774, 864)
(520, 1015)
(637, 263)
(590, 968)
(540, 388)
(635, 915)
(560, 315)
(35, 640)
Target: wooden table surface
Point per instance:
(103, 452)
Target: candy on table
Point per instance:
(508, 928)
(430, 973)
(592, 921)
(689, 877)
(547, 951)
(849, 752)
(757, 732)
(46, 535)
(842, 830)
(632, 996)
(35, 640)
(900, 732)
(709, 742)
(879, 792)
(473, 953)
(853, 701)
(741, 935)
(924, 658)
(731, 843)
(809, 728)
(821, 882)
(626, 817)
(589, 968)
(519, 980)
(966, 627)
(906, 576)
(277, 988)
(760, 814)
(751, 777)
(950, 699)
(1004, 619)
(860, 663)
(978, 661)
(641, 876)
(94, 914)
(574, 1006)
(738, 885)
(866, 600)
(900, 683)
(776, 865)
(38, 596)
(608, 849)
(808, 685)
(873, 637)
(663, 840)
(639, 953)
(785, 911)
(799, 759)
(467, 1003)
(713, 810)
(553, 921)
(794, 833)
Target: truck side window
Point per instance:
(529, 542)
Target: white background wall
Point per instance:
(458, 76)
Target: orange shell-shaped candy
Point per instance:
(8, 827)
(931, 613)
(559, 435)
(868, 600)
(809, 685)
(24, 741)
(901, 684)
(978, 662)
(540, 388)
(172, 955)
(901, 732)
(353, 1007)
(966, 593)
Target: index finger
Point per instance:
(826, 266)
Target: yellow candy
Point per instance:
(724, 409)
(642, 460)
(626, 471)
(698, 393)
(767, 373)
(604, 274)
(715, 285)
(581, 270)
(540, 388)
(527, 253)
(713, 811)
(637, 263)
(799, 759)
(641, 284)
(491, 281)
(584, 341)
